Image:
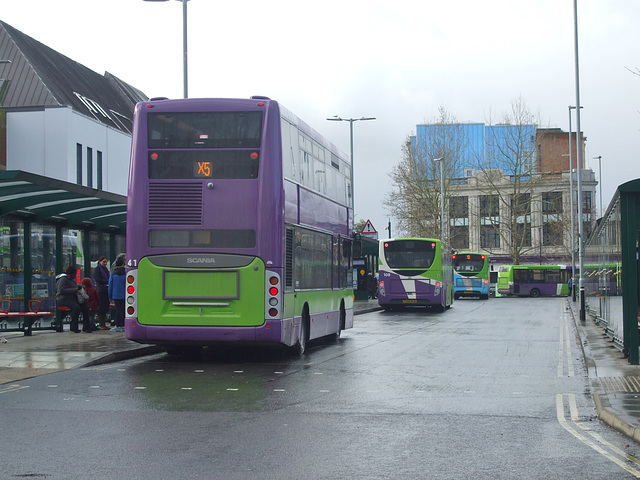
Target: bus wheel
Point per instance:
(535, 293)
(439, 308)
(301, 345)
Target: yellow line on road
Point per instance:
(598, 447)
(13, 388)
(564, 347)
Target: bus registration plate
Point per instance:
(409, 301)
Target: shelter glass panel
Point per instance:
(12, 270)
(43, 265)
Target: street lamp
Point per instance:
(336, 118)
(184, 41)
(599, 158)
(441, 160)
(579, 155)
(573, 209)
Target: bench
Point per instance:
(25, 319)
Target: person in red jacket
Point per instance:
(93, 302)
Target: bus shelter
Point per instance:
(611, 270)
(48, 225)
(365, 264)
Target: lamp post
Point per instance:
(441, 160)
(572, 206)
(599, 158)
(579, 155)
(336, 118)
(184, 42)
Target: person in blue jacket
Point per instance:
(116, 292)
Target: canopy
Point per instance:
(45, 200)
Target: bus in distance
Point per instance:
(239, 227)
(414, 272)
(535, 280)
(471, 275)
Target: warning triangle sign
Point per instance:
(368, 229)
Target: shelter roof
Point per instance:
(45, 200)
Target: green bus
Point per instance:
(534, 280)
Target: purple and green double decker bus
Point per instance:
(239, 227)
(414, 272)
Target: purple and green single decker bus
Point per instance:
(239, 227)
(471, 274)
(535, 280)
(414, 272)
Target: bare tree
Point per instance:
(507, 173)
(415, 201)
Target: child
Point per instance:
(93, 302)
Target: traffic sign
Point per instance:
(368, 229)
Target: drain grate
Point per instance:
(620, 384)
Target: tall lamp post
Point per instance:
(579, 155)
(184, 43)
(336, 118)
(599, 158)
(441, 160)
(572, 206)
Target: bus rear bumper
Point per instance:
(272, 331)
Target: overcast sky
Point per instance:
(398, 61)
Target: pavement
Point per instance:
(47, 351)
(615, 384)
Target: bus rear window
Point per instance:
(204, 130)
(202, 238)
(409, 253)
(468, 263)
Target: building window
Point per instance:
(552, 202)
(78, 164)
(489, 237)
(552, 233)
(459, 207)
(89, 167)
(489, 206)
(521, 236)
(521, 207)
(459, 222)
(459, 237)
(99, 170)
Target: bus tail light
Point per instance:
(381, 290)
(273, 296)
(131, 298)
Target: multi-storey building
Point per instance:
(506, 190)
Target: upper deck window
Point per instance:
(204, 130)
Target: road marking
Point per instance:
(13, 388)
(564, 347)
(601, 442)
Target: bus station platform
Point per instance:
(45, 352)
(615, 383)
